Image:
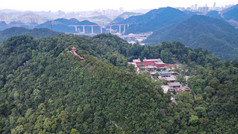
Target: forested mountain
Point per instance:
(162, 17)
(231, 13)
(62, 25)
(126, 15)
(122, 17)
(214, 14)
(209, 33)
(36, 33)
(4, 25)
(46, 89)
(100, 19)
(154, 20)
(117, 20)
(56, 92)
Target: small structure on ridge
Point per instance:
(75, 53)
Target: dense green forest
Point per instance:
(206, 32)
(154, 20)
(44, 88)
(231, 13)
(36, 32)
(62, 25)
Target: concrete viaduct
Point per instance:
(125, 26)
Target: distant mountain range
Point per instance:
(36, 32)
(123, 17)
(139, 23)
(163, 17)
(4, 25)
(100, 20)
(154, 19)
(231, 15)
(62, 25)
(39, 17)
(210, 32)
(214, 14)
(58, 25)
(206, 32)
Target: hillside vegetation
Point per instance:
(46, 89)
(36, 33)
(231, 13)
(63, 25)
(201, 31)
(154, 20)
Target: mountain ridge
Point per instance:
(36, 32)
(201, 31)
(62, 25)
(154, 19)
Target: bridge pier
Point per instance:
(110, 29)
(124, 29)
(83, 29)
(92, 30)
(119, 28)
(76, 28)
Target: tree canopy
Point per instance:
(44, 88)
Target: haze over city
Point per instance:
(75, 5)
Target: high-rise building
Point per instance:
(214, 5)
(196, 6)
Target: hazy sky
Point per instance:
(85, 5)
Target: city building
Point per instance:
(155, 62)
(165, 74)
(174, 85)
